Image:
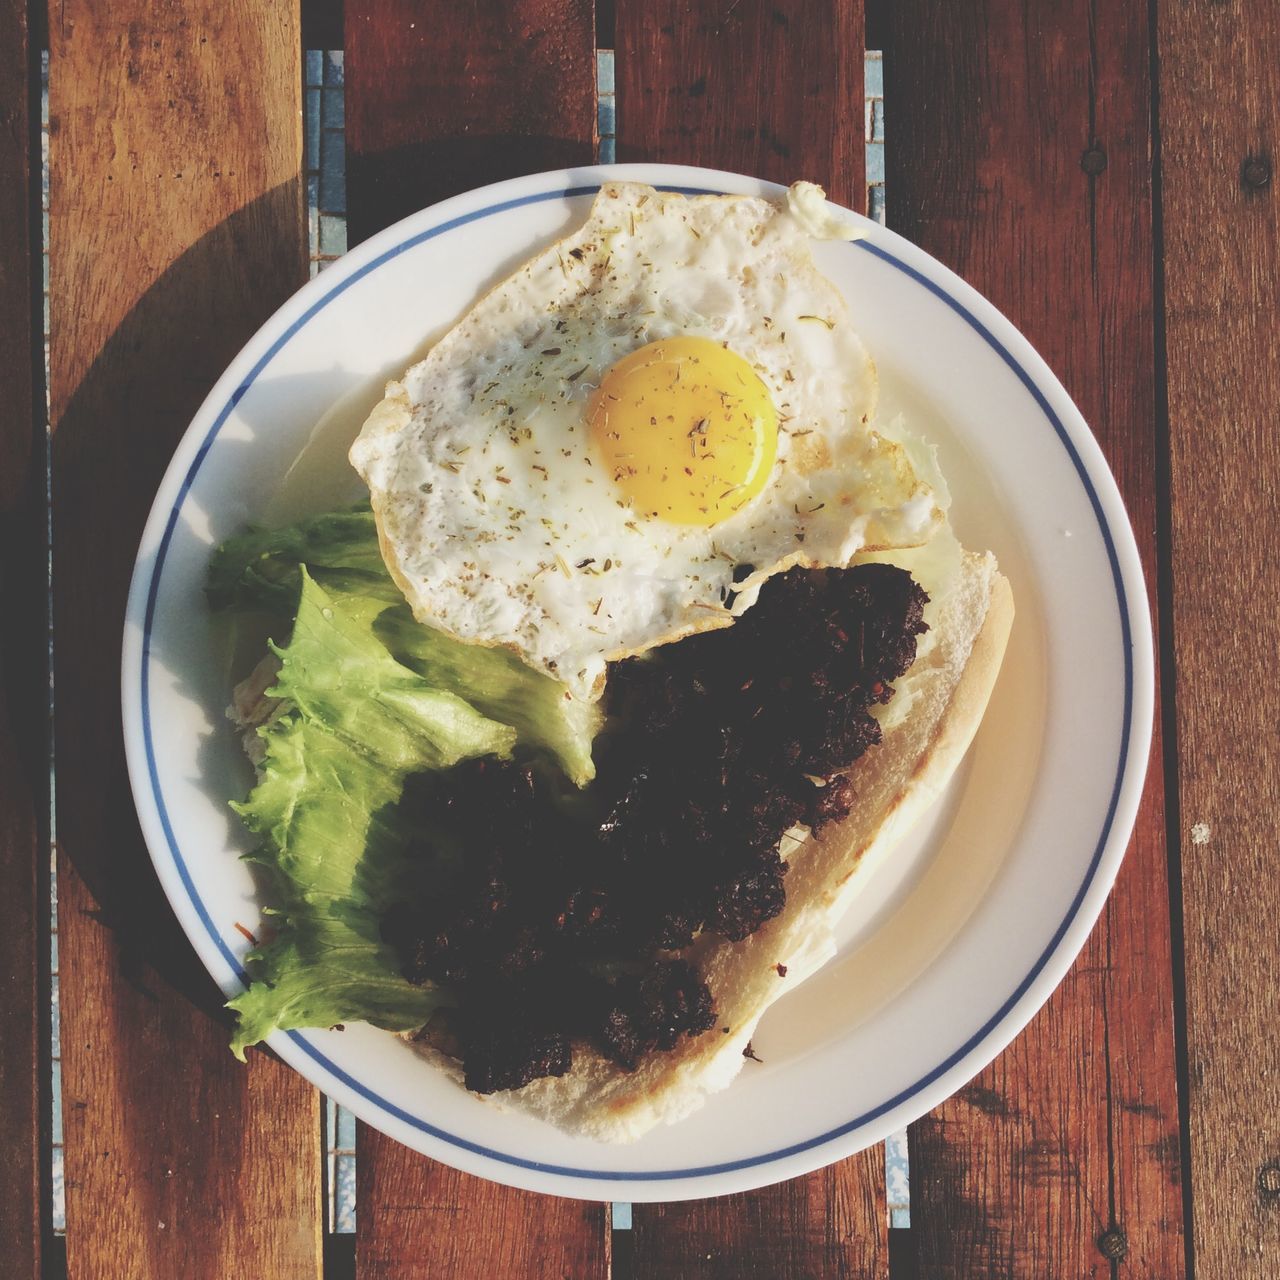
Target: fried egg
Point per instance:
(620, 443)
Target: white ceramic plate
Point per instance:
(959, 938)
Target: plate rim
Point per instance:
(913, 1100)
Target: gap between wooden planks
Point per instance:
(176, 228)
(1021, 157)
(1219, 69)
(25, 1219)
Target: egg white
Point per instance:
(502, 527)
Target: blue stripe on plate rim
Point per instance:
(323, 1060)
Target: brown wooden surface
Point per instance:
(1020, 153)
(447, 95)
(755, 86)
(830, 1224)
(24, 739)
(417, 1219)
(773, 90)
(176, 228)
(1219, 143)
(441, 98)
(1020, 156)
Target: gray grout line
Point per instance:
(58, 1206)
(325, 174)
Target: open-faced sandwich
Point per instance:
(575, 740)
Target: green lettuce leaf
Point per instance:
(368, 696)
(326, 806)
(258, 569)
(338, 673)
(494, 681)
(332, 856)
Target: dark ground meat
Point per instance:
(652, 1010)
(547, 914)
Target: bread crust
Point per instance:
(949, 686)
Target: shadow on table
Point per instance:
(114, 433)
(387, 185)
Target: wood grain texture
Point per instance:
(176, 228)
(772, 88)
(418, 1219)
(828, 1224)
(24, 729)
(1020, 155)
(775, 90)
(448, 95)
(1219, 144)
(440, 98)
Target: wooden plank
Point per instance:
(441, 98)
(829, 1224)
(755, 86)
(1219, 133)
(176, 228)
(418, 1219)
(448, 95)
(24, 711)
(1019, 153)
(773, 90)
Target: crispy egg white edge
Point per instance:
(395, 414)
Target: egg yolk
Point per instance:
(687, 430)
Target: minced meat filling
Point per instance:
(550, 915)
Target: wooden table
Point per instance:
(1102, 172)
